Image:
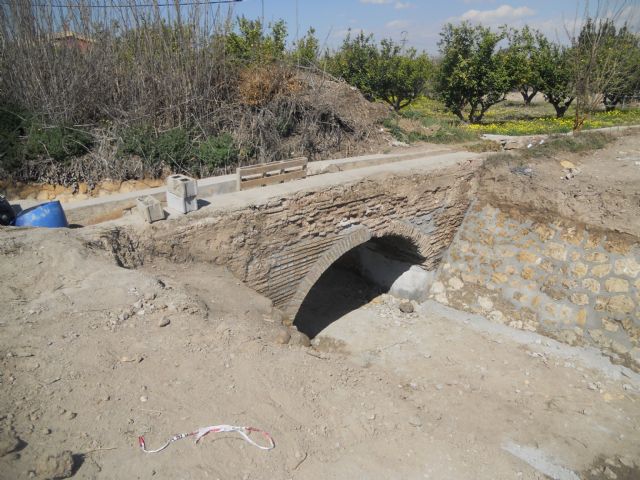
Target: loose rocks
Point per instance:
(56, 466)
(9, 442)
(282, 336)
(164, 321)
(300, 339)
(406, 307)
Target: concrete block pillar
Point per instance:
(182, 193)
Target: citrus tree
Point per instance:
(555, 75)
(523, 54)
(387, 71)
(473, 73)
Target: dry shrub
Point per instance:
(260, 84)
(157, 71)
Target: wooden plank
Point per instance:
(281, 166)
(272, 180)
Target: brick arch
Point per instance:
(421, 240)
(348, 241)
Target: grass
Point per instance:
(510, 118)
(550, 125)
(585, 142)
(575, 144)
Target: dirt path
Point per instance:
(86, 368)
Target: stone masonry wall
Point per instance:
(276, 245)
(576, 284)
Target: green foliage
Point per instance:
(401, 74)
(172, 148)
(523, 61)
(250, 43)
(216, 152)
(473, 73)
(177, 149)
(388, 71)
(60, 143)
(11, 128)
(307, 49)
(356, 62)
(555, 75)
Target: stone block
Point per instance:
(609, 325)
(572, 235)
(556, 251)
(601, 270)
(182, 204)
(544, 232)
(182, 186)
(593, 240)
(527, 273)
(627, 266)
(499, 277)
(591, 285)
(580, 299)
(150, 209)
(596, 257)
(617, 285)
(579, 269)
(527, 257)
(620, 304)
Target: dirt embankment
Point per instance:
(92, 355)
(600, 188)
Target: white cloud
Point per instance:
(398, 5)
(503, 13)
(395, 24)
(376, 2)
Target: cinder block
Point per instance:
(182, 186)
(182, 204)
(150, 209)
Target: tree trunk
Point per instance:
(561, 106)
(458, 113)
(560, 110)
(527, 97)
(610, 102)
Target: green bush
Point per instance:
(172, 148)
(215, 152)
(11, 128)
(61, 143)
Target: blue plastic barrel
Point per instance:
(49, 215)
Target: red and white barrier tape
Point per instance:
(201, 432)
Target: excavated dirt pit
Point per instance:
(100, 344)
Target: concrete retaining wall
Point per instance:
(568, 281)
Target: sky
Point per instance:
(420, 21)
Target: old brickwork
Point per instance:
(282, 245)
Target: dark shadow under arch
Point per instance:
(354, 279)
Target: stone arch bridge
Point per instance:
(280, 239)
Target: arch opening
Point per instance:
(385, 264)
